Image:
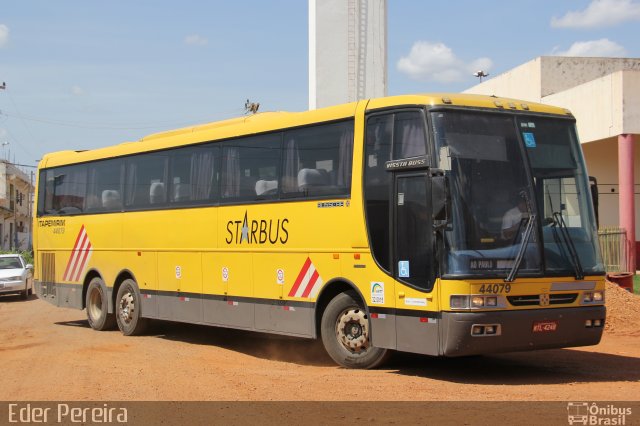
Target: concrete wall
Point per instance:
(561, 73)
(523, 82)
(631, 104)
(602, 162)
(347, 51)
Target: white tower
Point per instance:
(347, 51)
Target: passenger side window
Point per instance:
(317, 161)
(146, 181)
(105, 186)
(250, 168)
(66, 189)
(194, 175)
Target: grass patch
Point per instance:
(636, 284)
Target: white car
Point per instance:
(16, 276)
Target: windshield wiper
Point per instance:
(523, 246)
(577, 266)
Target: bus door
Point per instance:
(414, 260)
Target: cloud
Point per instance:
(4, 35)
(77, 91)
(600, 13)
(196, 40)
(595, 48)
(429, 61)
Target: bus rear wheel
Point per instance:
(128, 309)
(346, 333)
(97, 305)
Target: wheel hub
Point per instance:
(127, 307)
(352, 330)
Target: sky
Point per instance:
(85, 74)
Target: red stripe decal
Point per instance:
(301, 275)
(75, 262)
(75, 246)
(84, 260)
(312, 282)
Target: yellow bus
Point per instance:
(434, 224)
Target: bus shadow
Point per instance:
(260, 345)
(76, 323)
(553, 366)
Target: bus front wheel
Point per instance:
(346, 333)
(128, 309)
(98, 306)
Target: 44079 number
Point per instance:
(494, 288)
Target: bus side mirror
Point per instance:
(440, 198)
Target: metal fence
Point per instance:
(614, 247)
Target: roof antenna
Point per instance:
(251, 107)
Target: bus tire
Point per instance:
(128, 309)
(345, 331)
(97, 305)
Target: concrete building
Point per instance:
(603, 94)
(347, 51)
(16, 193)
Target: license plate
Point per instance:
(545, 326)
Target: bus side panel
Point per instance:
(270, 270)
(180, 286)
(227, 300)
(418, 318)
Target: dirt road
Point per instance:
(50, 353)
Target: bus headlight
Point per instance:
(593, 297)
(477, 301)
(491, 301)
(459, 302)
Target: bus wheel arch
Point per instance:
(342, 320)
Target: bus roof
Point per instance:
(270, 121)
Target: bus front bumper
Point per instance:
(520, 330)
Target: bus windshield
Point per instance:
(496, 196)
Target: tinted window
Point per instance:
(402, 134)
(250, 168)
(378, 186)
(409, 138)
(65, 190)
(317, 160)
(413, 222)
(105, 186)
(194, 175)
(145, 181)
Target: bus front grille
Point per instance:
(534, 299)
